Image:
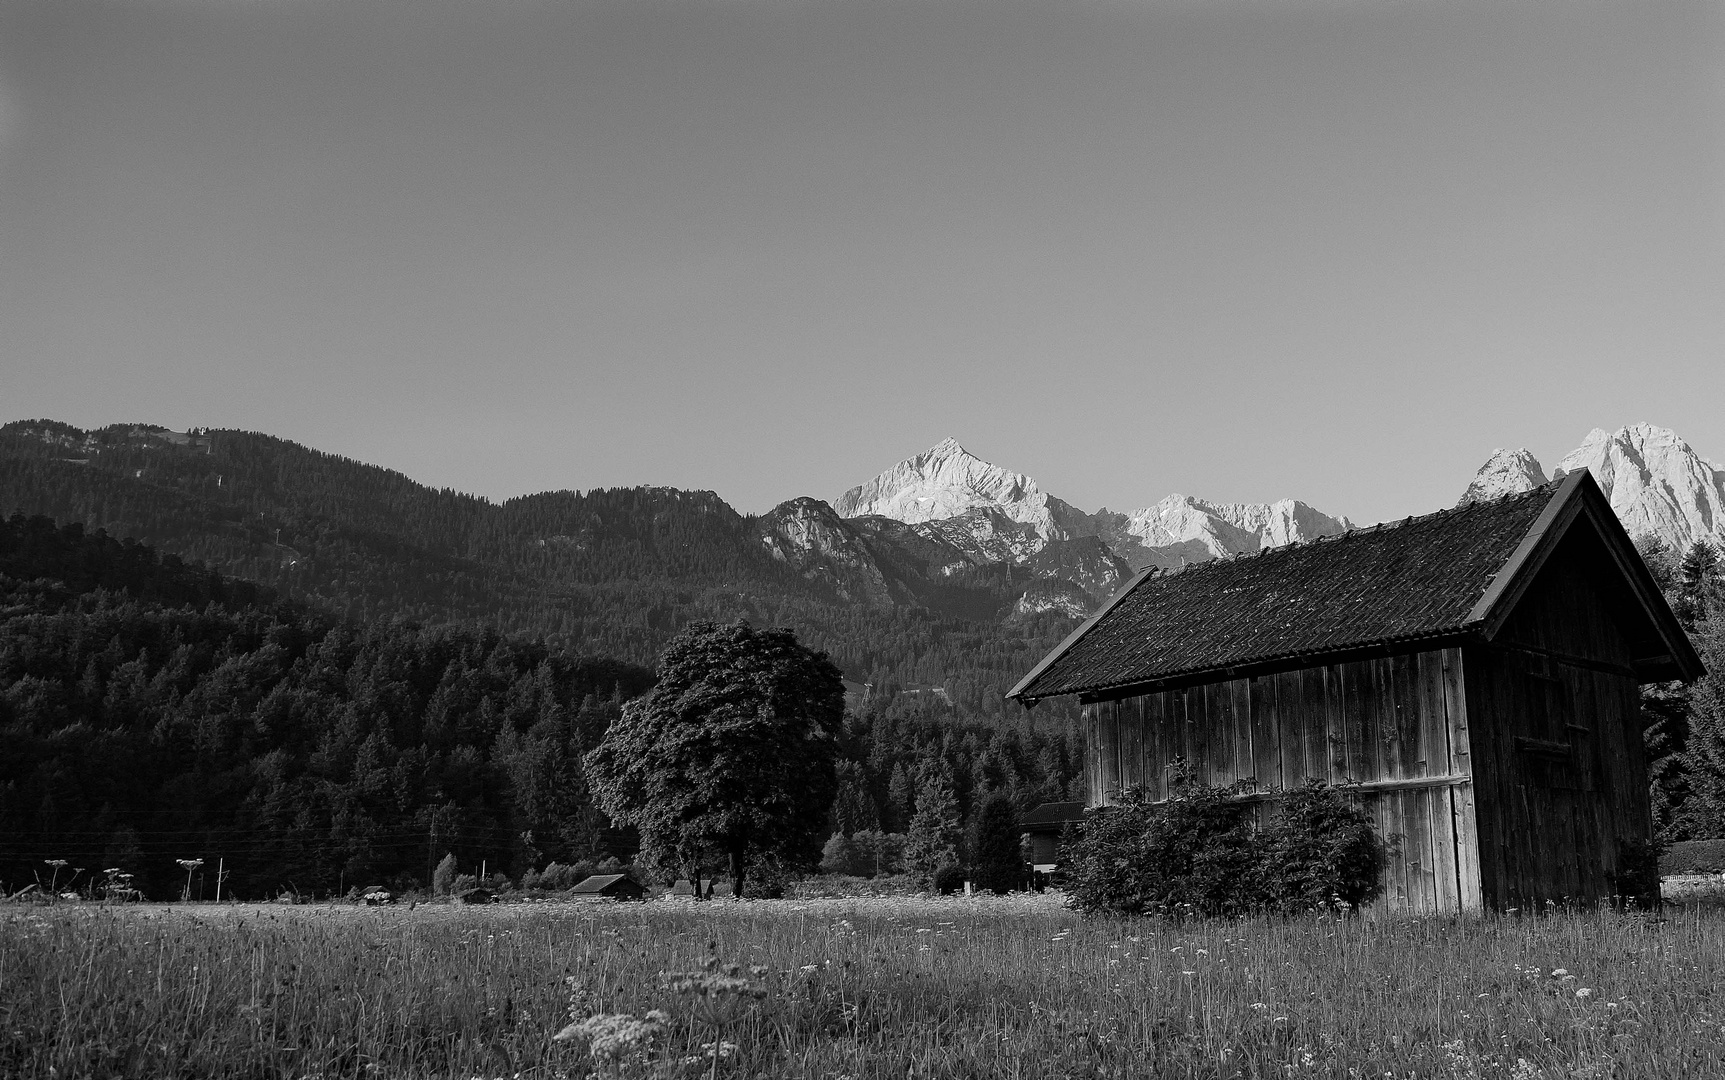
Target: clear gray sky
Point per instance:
(1328, 250)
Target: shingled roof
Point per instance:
(1444, 575)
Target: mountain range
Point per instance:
(942, 571)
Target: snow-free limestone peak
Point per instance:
(1657, 483)
(1182, 529)
(947, 481)
(995, 515)
(1506, 472)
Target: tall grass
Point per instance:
(890, 988)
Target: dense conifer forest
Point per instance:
(152, 711)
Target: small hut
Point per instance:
(610, 887)
(1044, 825)
(1475, 672)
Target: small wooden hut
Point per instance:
(610, 887)
(1044, 825)
(1475, 672)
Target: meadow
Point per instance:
(983, 987)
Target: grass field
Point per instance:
(1008, 987)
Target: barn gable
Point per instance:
(1453, 576)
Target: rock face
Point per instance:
(1181, 529)
(1656, 482)
(1658, 485)
(991, 515)
(947, 482)
(1507, 472)
(806, 534)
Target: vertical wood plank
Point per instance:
(1153, 745)
(1314, 724)
(1245, 761)
(1453, 687)
(1131, 743)
(1356, 759)
(1266, 734)
(1440, 824)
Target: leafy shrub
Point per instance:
(840, 886)
(1190, 855)
(1693, 857)
(1636, 880)
(948, 879)
(558, 877)
(768, 879)
(444, 876)
(1196, 854)
(839, 856)
(879, 852)
(1320, 849)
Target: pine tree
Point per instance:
(997, 865)
(1702, 815)
(934, 829)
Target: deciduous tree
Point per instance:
(730, 753)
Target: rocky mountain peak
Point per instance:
(947, 481)
(1506, 472)
(1657, 483)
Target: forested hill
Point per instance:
(152, 711)
(605, 572)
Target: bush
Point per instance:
(1636, 879)
(557, 877)
(444, 876)
(948, 878)
(879, 852)
(835, 886)
(1196, 854)
(1319, 850)
(1693, 857)
(839, 856)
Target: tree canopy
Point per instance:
(732, 753)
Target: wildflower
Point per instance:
(1259, 1006)
(1558, 973)
(1584, 992)
(611, 1037)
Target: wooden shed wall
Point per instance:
(1397, 725)
(1560, 766)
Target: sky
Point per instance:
(1316, 249)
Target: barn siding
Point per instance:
(1390, 719)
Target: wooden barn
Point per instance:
(1475, 672)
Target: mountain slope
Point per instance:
(607, 572)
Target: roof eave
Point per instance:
(1269, 665)
(1017, 693)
